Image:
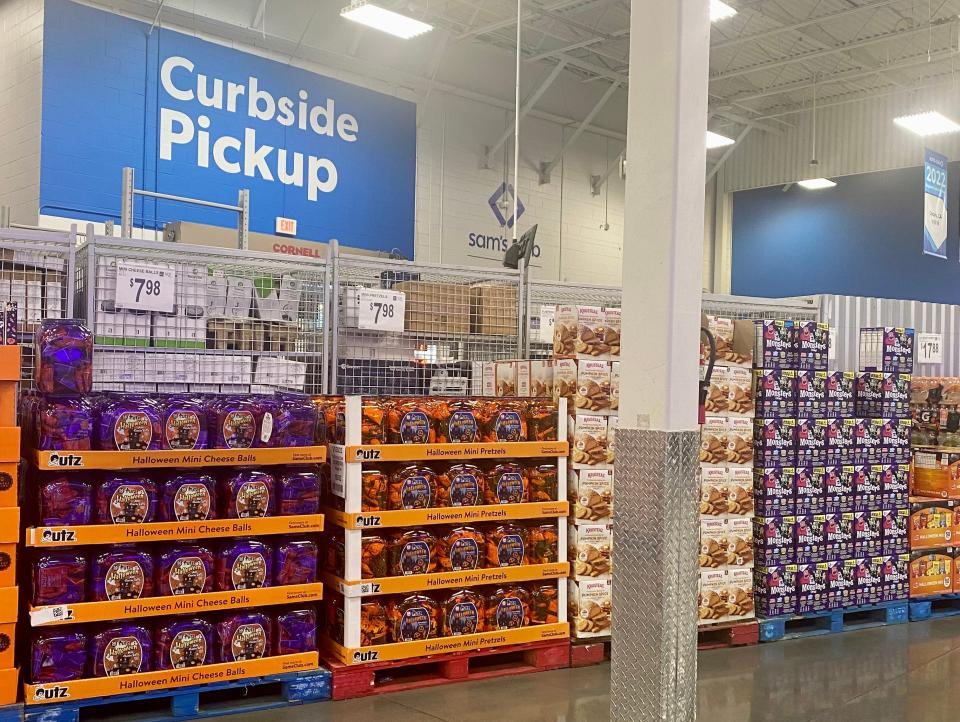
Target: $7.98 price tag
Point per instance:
(381, 310)
(930, 348)
(145, 287)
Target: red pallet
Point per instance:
(363, 680)
(586, 653)
(735, 634)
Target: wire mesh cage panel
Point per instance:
(542, 301)
(36, 274)
(453, 316)
(234, 321)
(803, 308)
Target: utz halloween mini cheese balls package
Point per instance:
(233, 423)
(244, 564)
(124, 572)
(184, 643)
(183, 423)
(185, 569)
(245, 635)
(188, 497)
(121, 649)
(129, 423)
(65, 500)
(123, 498)
(294, 561)
(58, 655)
(59, 577)
(247, 493)
(63, 357)
(298, 491)
(295, 631)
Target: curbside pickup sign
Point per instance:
(199, 119)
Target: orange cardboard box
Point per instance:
(932, 524)
(935, 474)
(9, 525)
(931, 573)
(9, 473)
(8, 566)
(8, 403)
(8, 605)
(8, 633)
(9, 683)
(9, 443)
(9, 363)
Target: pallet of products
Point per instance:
(832, 453)
(9, 518)
(172, 539)
(445, 530)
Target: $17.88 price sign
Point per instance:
(930, 348)
(145, 287)
(381, 310)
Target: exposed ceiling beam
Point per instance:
(728, 152)
(258, 16)
(512, 20)
(581, 44)
(546, 168)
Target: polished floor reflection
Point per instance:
(904, 672)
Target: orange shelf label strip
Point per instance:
(442, 452)
(151, 681)
(77, 460)
(60, 536)
(446, 645)
(447, 515)
(188, 604)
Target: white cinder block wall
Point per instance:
(21, 65)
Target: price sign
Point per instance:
(832, 348)
(548, 317)
(381, 310)
(145, 287)
(930, 348)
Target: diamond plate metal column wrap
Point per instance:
(654, 668)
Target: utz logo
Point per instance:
(370, 655)
(61, 461)
(52, 536)
(47, 693)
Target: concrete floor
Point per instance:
(903, 672)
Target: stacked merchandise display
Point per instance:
(9, 517)
(586, 373)
(726, 478)
(447, 535)
(169, 532)
(831, 455)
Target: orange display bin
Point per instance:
(9, 473)
(931, 573)
(936, 474)
(9, 683)
(8, 638)
(9, 443)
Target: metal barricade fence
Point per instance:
(549, 294)
(801, 308)
(241, 321)
(453, 316)
(36, 273)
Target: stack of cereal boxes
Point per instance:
(9, 519)
(725, 592)
(832, 457)
(586, 371)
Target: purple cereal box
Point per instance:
(895, 484)
(840, 440)
(233, 423)
(810, 441)
(895, 444)
(64, 424)
(124, 572)
(63, 357)
(773, 539)
(121, 649)
(773, 490)
(841, 583)
(773, 344)
(811, 345)
(188, 497)
(59, 578)
(125, 499)
(886, 348)
(839, 394)
(810, 581)
(868, 441)
(896, 577)
(66, 501)
(870, 394)
(57, 655)
(773, 442)
(244, 564)
(809, 538)
(185, 569)
(838, 489)
(811, 388)
(294, 562)
(896, 525)
(244, 636)
(129, 423)
(869, 584)
(809, 489)
(184, 423)
(298, 492)
(867, 533)
(775, 590)
(774, 393)
(867, 489)
(183, 643)
(896, 394)
(295, 631)
(247, 493)
(838, 536)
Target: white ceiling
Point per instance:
(765, 62)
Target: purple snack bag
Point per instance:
(64, 425)
(298, 492)
(65, 500)
(244, 636)
(184, 643)
(244, 564)
(63, 357)
(184, 423)
(295, 631)
(125, 572)
(57, 655)
(188, 497)
(233, 423)
(247, 493)
(59, 578)
(121, 649)
(126, 499)
(129, 423)
(185, 569)
(295, 562)
(288, 420)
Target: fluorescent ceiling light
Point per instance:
(715, 140)
(720, 11)
(929, 123)
(385, 20)
(816, 184)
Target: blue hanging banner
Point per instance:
(934, 203)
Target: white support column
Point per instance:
(654, 593)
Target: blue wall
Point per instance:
(102, 107)
(862, 238)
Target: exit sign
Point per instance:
(286, 226)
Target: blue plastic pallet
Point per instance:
(943, 605)
(192, 702)
(11, 713)
(833, 621)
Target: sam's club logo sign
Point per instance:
(495, 244)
